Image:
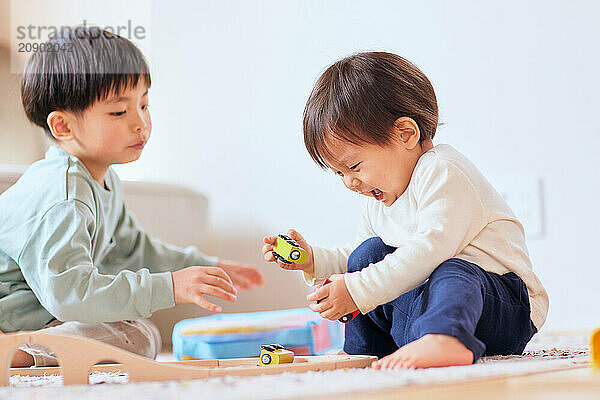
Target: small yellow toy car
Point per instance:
(289, 251)
(275, 354)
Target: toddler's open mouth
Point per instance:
(378, 194)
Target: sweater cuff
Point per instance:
(319, 274)
(162, 291)
(361, 296)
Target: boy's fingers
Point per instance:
(243, 282)
(254, 276)
(216, 271)
(217, 292)
(221, 283)
(202, 302)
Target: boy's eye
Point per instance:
(339, 173)
(145, 106)
(117, 114)
(354, 166)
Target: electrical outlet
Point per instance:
(524, 196)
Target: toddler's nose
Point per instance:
(351, 183)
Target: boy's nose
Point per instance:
(140, 123)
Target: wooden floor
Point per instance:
(580, 383)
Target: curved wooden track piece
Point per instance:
(78, 357)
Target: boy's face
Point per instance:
(114, 130)
(381, 172)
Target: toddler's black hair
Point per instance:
(358, 98)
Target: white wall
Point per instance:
(517, 84)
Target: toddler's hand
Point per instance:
(307, 267)
(334, 299)
(192, 283)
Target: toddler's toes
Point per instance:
(398, 363)
(408, 364)
(387, 362)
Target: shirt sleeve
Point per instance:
(134, 249)
(57, 264)
(330, 261)
(449, 215)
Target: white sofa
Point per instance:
(180, 216)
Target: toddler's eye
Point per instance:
(339, 173)
(145, 107)
(354, 166)
(117, 114)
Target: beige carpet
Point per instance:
(544, 353)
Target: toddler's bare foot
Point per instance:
(429, 351)
(342, 353)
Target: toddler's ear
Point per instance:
(58, 123)
(407, 131)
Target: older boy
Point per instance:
(72, 259)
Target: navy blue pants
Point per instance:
(487, 312)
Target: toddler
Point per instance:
(439, 270)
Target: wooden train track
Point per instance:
(79, 356)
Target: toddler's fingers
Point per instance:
(269, 256)
(292, 233)
(318, 294)
(270, 239)
(217, 292)
(267, 248)
(320, 307)
(289, 267)
(331, 315)
(202, 302)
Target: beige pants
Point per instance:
(140, 337)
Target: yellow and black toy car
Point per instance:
(275, 354)
(288, 251)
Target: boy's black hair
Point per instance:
(85, 65)
(358, 99)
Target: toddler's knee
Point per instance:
(455, 267)
(370, 251)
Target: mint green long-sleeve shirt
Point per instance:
(70, 250)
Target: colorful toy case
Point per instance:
(241, 335)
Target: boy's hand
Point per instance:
(192, 283)
(243, 276)
(334, 299)
(307, 267)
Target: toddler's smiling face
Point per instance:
(379, 171)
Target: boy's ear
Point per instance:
(407, 131)
(59, 123)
